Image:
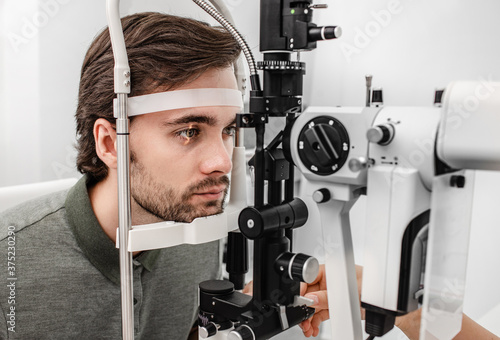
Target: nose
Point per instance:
(216, 159)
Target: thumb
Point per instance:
(320, 299)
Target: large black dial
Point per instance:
(323, 145)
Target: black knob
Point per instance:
(457, 181)
(213, 288)
(252, 222)
(324, 33)
(321, 195)
(208, 330)
(255, 222)
(377, 97)
(237, 259)
(298, 267)
(243, 332)
(323, 145)
(381, 134)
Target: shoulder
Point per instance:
(31, 212)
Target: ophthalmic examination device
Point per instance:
(414, 164)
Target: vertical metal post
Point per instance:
(124, 218)
(122, 89)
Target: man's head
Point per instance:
(164, 51)
(179, 158)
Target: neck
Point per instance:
(104, 200)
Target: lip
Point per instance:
(212, 193)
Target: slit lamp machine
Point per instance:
(415, 165)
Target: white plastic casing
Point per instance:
(447, 254)
(356, 121)
(399, 183)
(469, 135)
(343, 186)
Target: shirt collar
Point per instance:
(95, 244)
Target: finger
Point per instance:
(305, 325)
(248, 288)
(317, 319)
(307, 328)
(320, 299)
(303, 288)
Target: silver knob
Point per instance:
(207, 331)
(234, 336)
(338, 32)
(358, 164)
(310, 270)
(321, 195)
(243, 332)
(381, 134)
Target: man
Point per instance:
(65, 267)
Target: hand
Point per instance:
(248, 289)
(317, 292)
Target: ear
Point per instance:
(105, 142)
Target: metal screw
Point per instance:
(250, 224)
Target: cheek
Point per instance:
(229, 145)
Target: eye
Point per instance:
(230, 130)
(188, 133)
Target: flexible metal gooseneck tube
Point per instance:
(122, 89)
(254, 76)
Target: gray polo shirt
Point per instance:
(60, 276)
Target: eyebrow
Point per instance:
(200, 119)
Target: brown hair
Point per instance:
(163, 50)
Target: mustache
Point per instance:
(208, 183)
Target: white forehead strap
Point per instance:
(182, 99)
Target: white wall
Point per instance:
(410, 47)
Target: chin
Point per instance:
(209, 211)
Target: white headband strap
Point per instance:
(181, 99)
